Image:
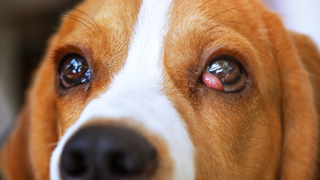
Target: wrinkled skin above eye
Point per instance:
(224, 74)
(74, 70)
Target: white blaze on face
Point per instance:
(136, 93)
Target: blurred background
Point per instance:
(25, 26)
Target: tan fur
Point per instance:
(268, 130)
(300, 123)
(15, 157)
(226, 127)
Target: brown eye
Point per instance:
(74, 70)
(224, 74)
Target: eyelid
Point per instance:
(67, 48)
(217, 53)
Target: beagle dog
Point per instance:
(170, 89)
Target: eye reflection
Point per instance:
(228, 72)
(221, 68)
(75, 66)
(74, 70)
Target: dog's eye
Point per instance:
(74, 70)
(224, 74)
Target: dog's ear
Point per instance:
(300, 124)
(310, 56)
(14, 157)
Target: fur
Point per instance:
(268, 130)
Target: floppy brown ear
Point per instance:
(14, 157)
(310, 56)
(299, 116)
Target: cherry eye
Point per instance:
(224, 74)
(74, 70)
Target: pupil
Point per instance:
(227, 67)
(74, 70)
(225, 71)
(75, 66)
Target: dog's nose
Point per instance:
(107, 152)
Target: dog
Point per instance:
(171, 89)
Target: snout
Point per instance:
(107, 152)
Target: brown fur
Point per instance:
(268, 130)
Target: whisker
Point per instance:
(42, 149)
(79, 21)
(222, 13)
(71, 15)
(88, 15)
(229, 22)
(53, 144)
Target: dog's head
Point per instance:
(171, 90)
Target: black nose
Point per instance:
(107, 153)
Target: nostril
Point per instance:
(125, 165)
(73, 164)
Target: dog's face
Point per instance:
(146, 62)
(165, 90)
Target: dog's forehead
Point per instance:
(121, 16)
(183, 9)
(107, 28)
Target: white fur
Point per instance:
(136, 93)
